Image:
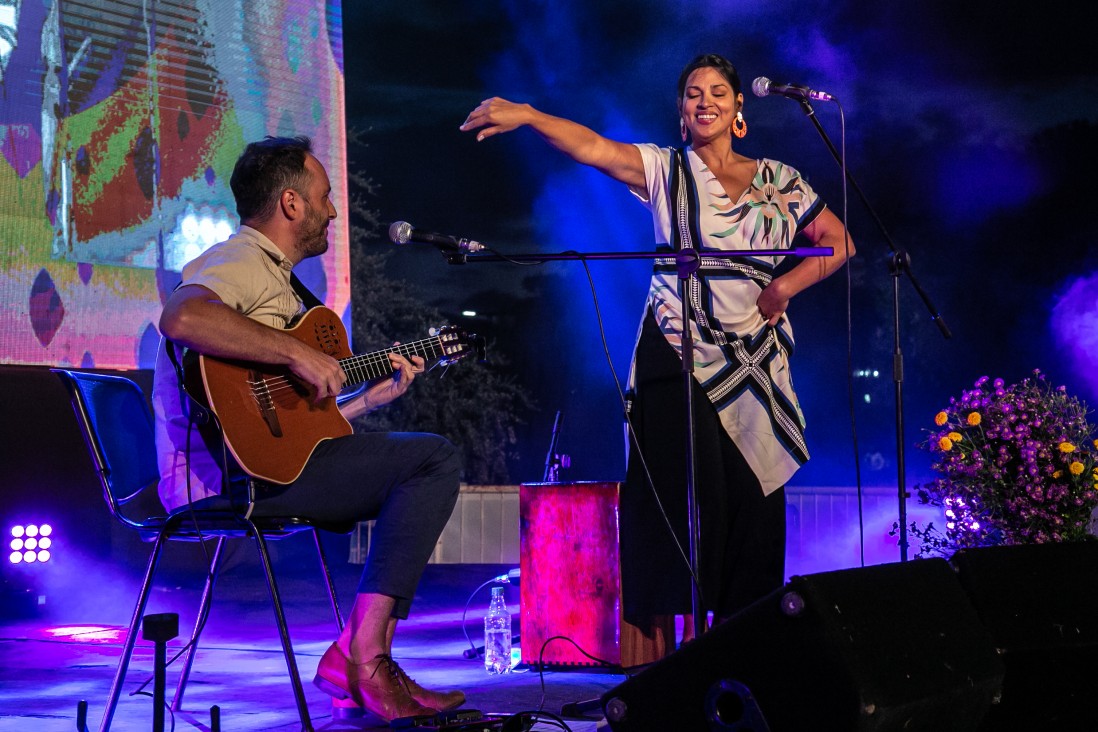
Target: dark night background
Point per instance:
(971, 129)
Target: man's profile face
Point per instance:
(312, 235)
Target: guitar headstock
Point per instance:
(455, 343)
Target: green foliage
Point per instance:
(477, 406)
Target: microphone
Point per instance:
(763, 86)
(401, 232)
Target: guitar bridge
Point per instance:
(261, 391)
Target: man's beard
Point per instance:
(314, 239)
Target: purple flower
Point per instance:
(1014, 484)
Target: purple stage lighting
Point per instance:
(30, 543)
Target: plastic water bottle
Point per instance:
(497, 635)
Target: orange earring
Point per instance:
(739, 127)
(682, 128)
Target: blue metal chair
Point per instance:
(117, 423)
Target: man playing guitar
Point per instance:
(237, 304)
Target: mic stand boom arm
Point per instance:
(463, 257)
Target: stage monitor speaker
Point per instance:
(889, 647)
(1040, 604)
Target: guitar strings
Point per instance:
(269, 388)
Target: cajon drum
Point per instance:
(571, 581)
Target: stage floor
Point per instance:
(67, 652)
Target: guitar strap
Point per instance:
(306, 295)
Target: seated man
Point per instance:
(234, 301)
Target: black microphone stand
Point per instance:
(687, 261)
(899, 263)
(554, 461)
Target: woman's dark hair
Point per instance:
(264, 170)
(710, 60)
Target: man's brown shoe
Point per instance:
(331, 673)
(377, 685)
(443, 701)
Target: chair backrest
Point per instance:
(117, 423)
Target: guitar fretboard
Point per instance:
(369, 366)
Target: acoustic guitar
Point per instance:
(271, 420)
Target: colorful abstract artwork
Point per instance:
(120, 122)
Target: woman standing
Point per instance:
(748, 423)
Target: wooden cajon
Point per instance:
(571, 581)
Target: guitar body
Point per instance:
(271, 420)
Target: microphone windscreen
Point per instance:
(761, 86)
(400, 232)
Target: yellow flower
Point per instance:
(1057, 474)
(1077, 468)
(1067, 447)
(945, 443)
(941, 418)
(955, 436)
(974, 418)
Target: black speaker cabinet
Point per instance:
(1040, 604)
(889, 647)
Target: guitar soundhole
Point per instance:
(328, 338)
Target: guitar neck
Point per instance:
(370, 366)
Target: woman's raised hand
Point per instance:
(496, 115)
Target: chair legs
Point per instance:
(203, 612)
(328, 579)
(283, 630)
(199, 621)
(131, 635)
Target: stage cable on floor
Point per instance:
(614, 667)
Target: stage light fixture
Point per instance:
(28, 570)
(30, 543)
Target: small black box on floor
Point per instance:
(1040, 604)
(890, 647)
(459, 720)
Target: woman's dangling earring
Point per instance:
(682, 128)
(739, 127)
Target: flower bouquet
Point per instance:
(1016, 465)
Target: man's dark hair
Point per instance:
(264, 170)
(711, 60)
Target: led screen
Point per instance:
(120, 123)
